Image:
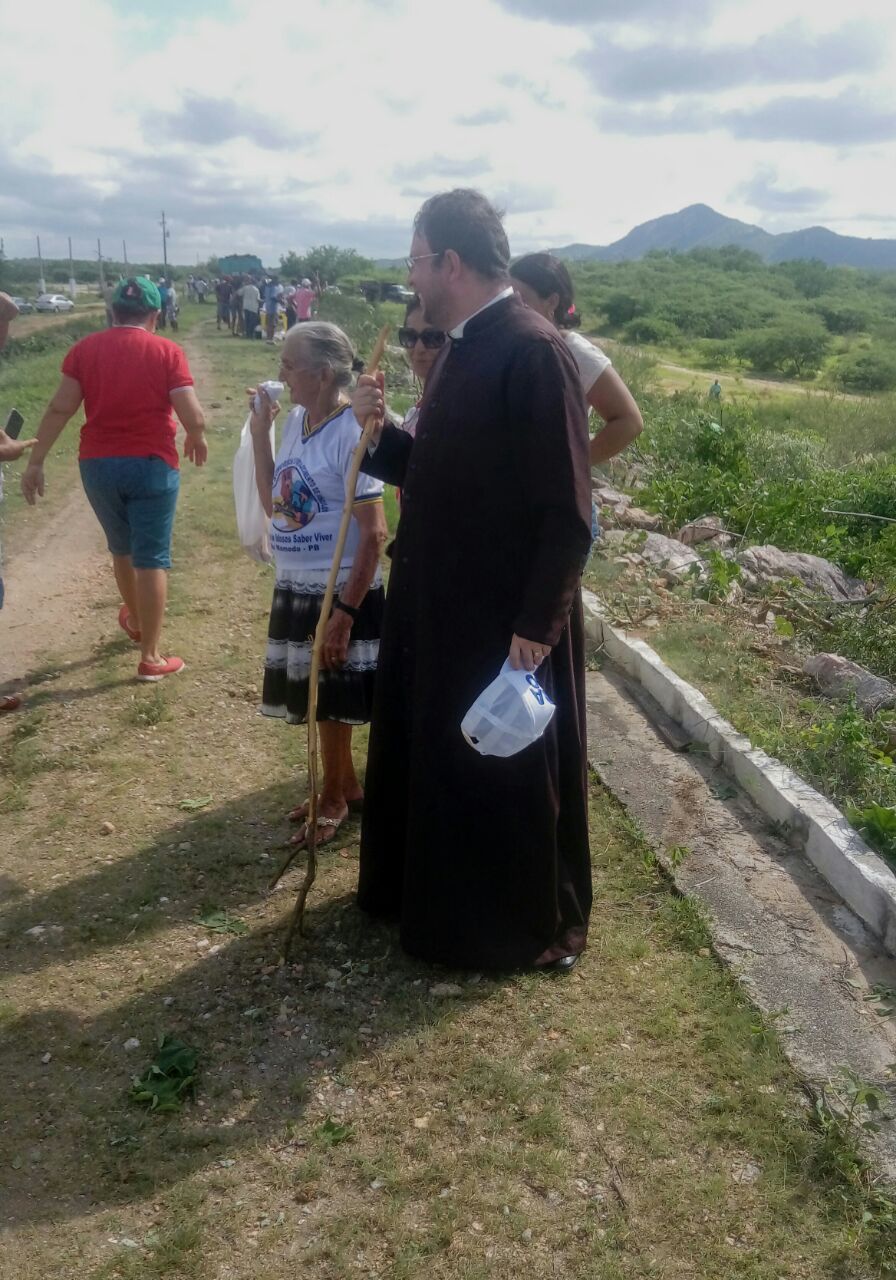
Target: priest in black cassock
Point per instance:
(484, 861)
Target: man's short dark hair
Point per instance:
(130, 315)
(463, 220)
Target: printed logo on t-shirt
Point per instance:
(297, 499)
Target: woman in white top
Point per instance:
(303, 491)
(544, 284)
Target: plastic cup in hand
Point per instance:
(274, 390)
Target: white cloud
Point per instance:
(274, 128)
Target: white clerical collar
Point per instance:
(458, 331)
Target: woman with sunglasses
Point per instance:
(423, 344)
(544, 284)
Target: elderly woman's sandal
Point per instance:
(327, 828)
(300, 812)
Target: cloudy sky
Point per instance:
(268, 127)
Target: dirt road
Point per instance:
(742, 384)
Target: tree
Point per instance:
(795, 347)
(621, 307)
(844, 315)
(650, 329)
(868, 371)
(809, 275)
(326, 262)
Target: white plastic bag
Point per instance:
(252, 521)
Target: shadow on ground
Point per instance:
(269, 1037)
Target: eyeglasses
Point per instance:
(411, 262)
(431, 338)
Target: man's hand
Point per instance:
(11, 450)
(33, 482)
(368, 402)
(336, 638)
(196, 449)
(525, 655)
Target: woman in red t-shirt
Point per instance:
(132, 383)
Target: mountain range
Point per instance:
(700, 227)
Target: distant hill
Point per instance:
(700, 227)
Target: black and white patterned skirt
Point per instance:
(346, 694)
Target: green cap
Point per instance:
(137, 294)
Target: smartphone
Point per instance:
(14, 424)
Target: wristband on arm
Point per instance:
(347, 608)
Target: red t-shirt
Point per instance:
(127, 375)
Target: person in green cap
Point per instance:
(132, 383)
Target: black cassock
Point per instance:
(484, 861)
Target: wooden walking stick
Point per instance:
(298, 916)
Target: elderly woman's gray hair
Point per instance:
(323, 346)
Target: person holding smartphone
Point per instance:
(11, 449)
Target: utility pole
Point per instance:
(165, 234)
(124, 254)
(72, 287)
(41, 283)
(99, 258)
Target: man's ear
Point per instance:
(451, 261)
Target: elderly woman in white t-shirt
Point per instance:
(303, 492)
(544, 284)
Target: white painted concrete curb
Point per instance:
(862, 879)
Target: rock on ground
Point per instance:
(594, 614)
(838, 678)
(761, 565)
(705, 529)
(674, 560)
(606, 496)
(637, 518)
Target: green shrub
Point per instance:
(869, 370)
(650, 328)
(56, 337)
(795, 346)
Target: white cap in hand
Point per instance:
(512, 713)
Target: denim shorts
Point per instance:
(134, 500)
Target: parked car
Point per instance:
(23, 305)
(385, 291)
(54, 302)
(398, 293)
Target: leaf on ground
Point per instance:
(169, 1078)
(883, 998)
(190, 806)
(331, 1132)
(219, 921)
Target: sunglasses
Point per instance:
(432, 339)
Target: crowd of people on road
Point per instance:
(255, 307)
(483, 860)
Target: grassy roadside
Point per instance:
(352, 1116)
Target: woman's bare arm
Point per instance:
(611, 400)
(185, 403)
(63, 406)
